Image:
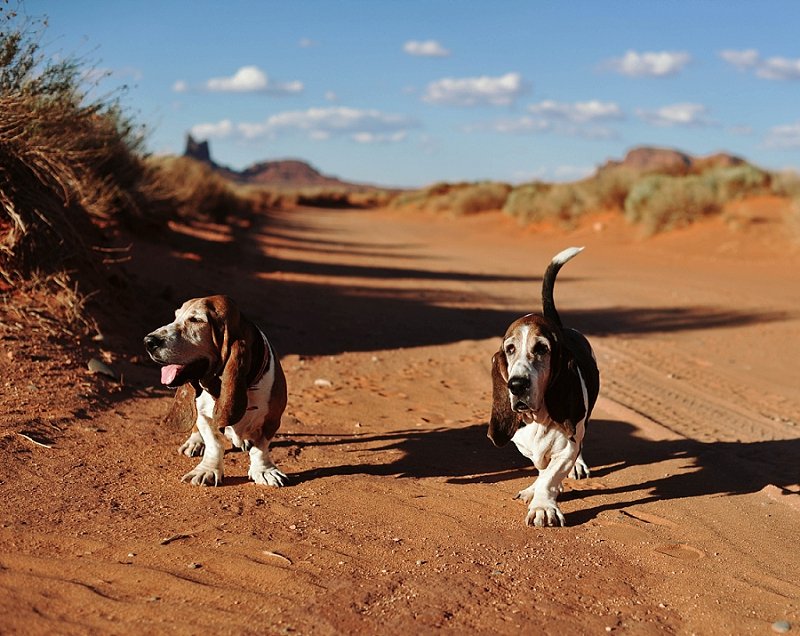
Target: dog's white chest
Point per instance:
(539, 442)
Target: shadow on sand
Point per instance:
(465, 456)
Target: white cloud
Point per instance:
(579, 112)
(512, 125)
(363, 126)
(251, 79)
(219, 129)
(180, 86)
(573, 120)
(742, 60)
(474, 91)
(676, 115)
(650, 64)
(377, 138)
(773, 68)
(427, 48)
(779, 68)
(331, 96)
(784, 137)
(307, 43)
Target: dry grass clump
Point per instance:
(67, 163)
(192, 189)
(269, 197)
(458, 199)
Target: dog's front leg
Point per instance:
(209, 471)
(543, 510)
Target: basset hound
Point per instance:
(228, 379)
(545, 383)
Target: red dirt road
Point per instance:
(400, 517)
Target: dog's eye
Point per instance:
(195, 319)
(540, 349)
(510, 349)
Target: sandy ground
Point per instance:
(400, 518)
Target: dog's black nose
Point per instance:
(518, 384)
(152, 342)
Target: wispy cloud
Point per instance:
(362, 126)
(426, 48)
(676, 115)
(649, 64)
(307, 43)
(248, 79)
(579, 119)
(772, 68)
(475, 91)
(742, 60)
(578, 112)
(784, 137)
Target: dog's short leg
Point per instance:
(543, 510)
(193, 446)
(262, 470)
(209, 471)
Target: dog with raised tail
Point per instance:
(545, 383)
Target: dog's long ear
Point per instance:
(182, 413)
(503, 422)
(229, 336)
(563, 396)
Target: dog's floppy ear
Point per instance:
(182, 413)
(563, 396)
(503, 422)
(229, 336)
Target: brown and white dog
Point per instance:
(545, 384)
(229, 379)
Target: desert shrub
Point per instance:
(522, 201)
(479, 197)
(610, 187)
(560, 202)
(786, 184)
(455, 198)
(660, 202)
(67, 163)
(192, 189)
(737, 181)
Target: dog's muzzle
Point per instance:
(519, 386)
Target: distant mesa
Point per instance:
(647, 159)
(284, 173)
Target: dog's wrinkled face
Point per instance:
(186, 346)
(528, 349)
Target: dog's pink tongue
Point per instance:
(169, 373)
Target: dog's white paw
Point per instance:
(204, 475)
(193, 446)
(268, 477)
(546, 515)
(580, 470)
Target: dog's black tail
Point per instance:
(549, 281)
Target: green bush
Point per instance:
(660, 202)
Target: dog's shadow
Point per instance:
(465, 456)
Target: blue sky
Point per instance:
(408, 92)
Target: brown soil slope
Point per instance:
(400, 516)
